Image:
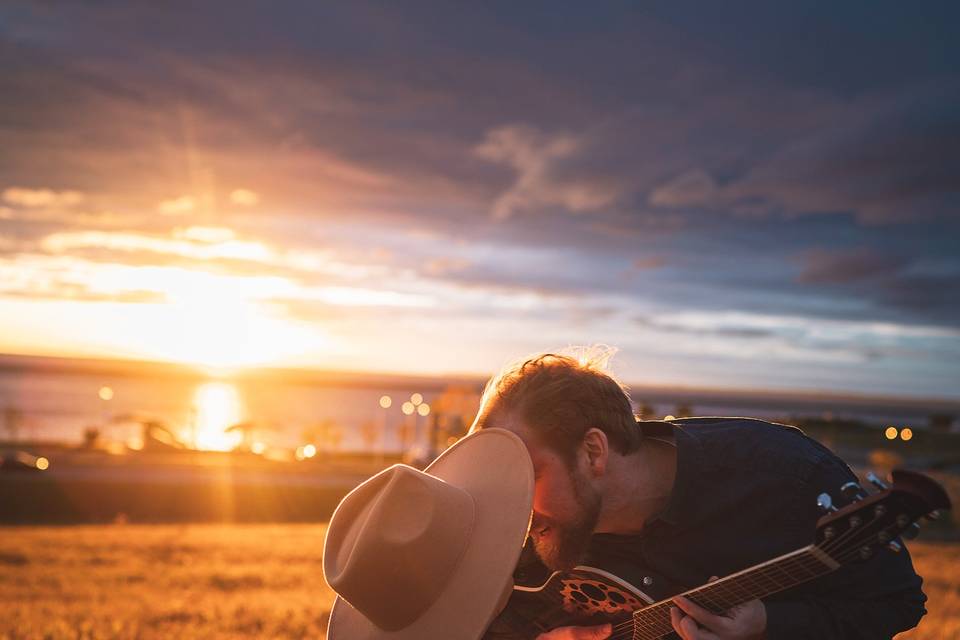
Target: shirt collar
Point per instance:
(689, 465)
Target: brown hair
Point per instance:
(559, 397)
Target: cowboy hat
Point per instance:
(431, 554)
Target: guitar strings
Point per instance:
(630, 626)
(829, 547)
(663, 627)
(616, 631)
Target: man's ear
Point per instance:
(597, 449)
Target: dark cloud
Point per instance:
(888, 280)
(665, 325)
(836, 267)
(933, 295)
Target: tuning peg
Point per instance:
(875, 481)
(895, 546)
(910, 529)
(852, 491)
(825, 502)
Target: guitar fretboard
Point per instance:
(722, 595)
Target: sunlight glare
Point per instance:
(217, 405)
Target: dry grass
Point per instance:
(241, 581)
(160, 581)
(939, 564)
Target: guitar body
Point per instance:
(583, 596)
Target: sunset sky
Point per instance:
(754, 195)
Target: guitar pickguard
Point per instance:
(589, 596)
(581, 596)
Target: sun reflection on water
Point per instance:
(217, 406)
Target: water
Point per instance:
(50, 405)
(57, 407)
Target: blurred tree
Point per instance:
(683, 411)
(368, 433)
(12, 417)
(647, 411)
(942, 422)
(91, 437)
(325, 435)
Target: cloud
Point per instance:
(210, 235)
(885, 281)
(530, 153)
(177, 206)
(826, 266)
(41, 197)
(444, 266)
(649, 262)
(701, 326)
(925, 295)
(887, 161)
(79, 292)
(206, 249)
(244, 197)
(692, 188)
(218, 250)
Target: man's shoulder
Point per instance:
(752, 443)
(708, 428)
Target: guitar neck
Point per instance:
(756, 582)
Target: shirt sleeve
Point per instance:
(869, 600)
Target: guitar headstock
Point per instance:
(872, 522)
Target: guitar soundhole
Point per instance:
(592, 597)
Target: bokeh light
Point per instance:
(106, 393)
(423, 409)
(408, 408)
(906, 434)
(891, 433)
(386, 402)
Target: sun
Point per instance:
(221, 325)
(224, 333)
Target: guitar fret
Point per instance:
(770, 585)
(653, 622)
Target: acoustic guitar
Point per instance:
(588, 595)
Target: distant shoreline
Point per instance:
(377, 380)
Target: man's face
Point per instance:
(566, 508)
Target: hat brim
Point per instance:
(493, 466)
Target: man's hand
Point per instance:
(578, 633)
(692, 622)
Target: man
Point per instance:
(688, 500)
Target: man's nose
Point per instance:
(538, 524)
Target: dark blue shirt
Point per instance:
(745, 492)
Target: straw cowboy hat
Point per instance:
(431, 554)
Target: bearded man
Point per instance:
(687, 500)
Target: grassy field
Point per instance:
(236, 581)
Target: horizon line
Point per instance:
(348, 377)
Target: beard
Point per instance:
(565, 544)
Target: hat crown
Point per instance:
(395, 541)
